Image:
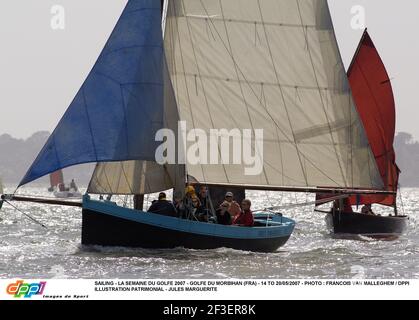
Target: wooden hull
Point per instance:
(377, 227)
(146, 230)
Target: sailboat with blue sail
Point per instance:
(263, 79)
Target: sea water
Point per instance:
(29, 251)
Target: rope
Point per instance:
(305, 204)
(26, 215)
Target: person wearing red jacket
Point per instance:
(245, 217)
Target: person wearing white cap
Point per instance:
(234, 207)
(229, 197)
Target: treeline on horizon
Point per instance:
(16, 155)
(407, 158)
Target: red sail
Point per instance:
(56, 178)
(373, 95)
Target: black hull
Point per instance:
(377, 227)
(105, 230)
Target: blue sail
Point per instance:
(118, 109)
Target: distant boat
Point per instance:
(373, 94)
(71, 193)
(56, 178)
(60, 189)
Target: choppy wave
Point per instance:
(30, 251)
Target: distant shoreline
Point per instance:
(17, 155)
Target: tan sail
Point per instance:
(134, 177)
(271, 65)
(141, 177)
(260, 64)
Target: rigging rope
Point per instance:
(304, 204)
(26, 215)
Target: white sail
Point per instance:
(259, 64)
(272, 65)
(133, 177)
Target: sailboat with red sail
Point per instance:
(60, 189)
(374, 99)
(55, 179)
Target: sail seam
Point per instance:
(254, 93)
(117, 177)
(230, 50)
(105, 54)
(376, 122)
(126, 177)
(173, 58)
(276, 84)
(56, 151)
(320, 94)
(186, 82)
(90, 125)
(282, 95)
(265, 103)
(107, 180)
(299, 153)
(125, 116)
(276, 24)
(203, 88)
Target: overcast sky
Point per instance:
(41, 69)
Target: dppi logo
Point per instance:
(27, 290)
